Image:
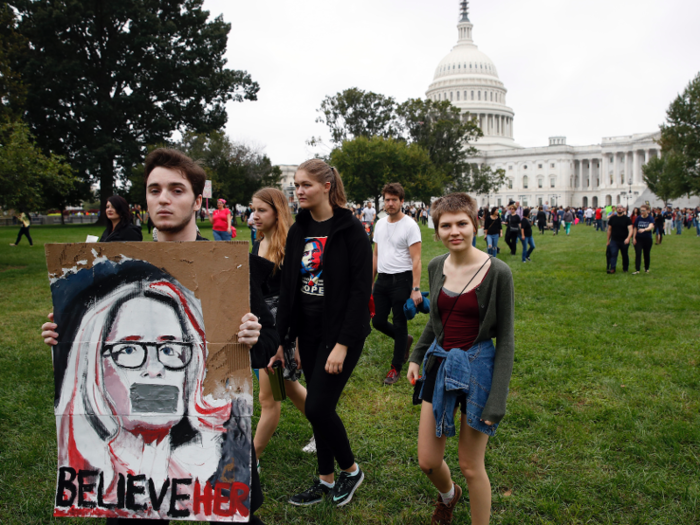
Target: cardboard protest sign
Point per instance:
(153, 392)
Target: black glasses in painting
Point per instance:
(173, 355)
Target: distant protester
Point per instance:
(526, 236)
(642, 239)
(120, 226)
(569, 219)
(493, 230)
(619, 236)
(221, 221)
(25, 223)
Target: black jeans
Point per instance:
(390, 293)
(24, 230)
(621, 247)
(643, 246)
(322, 394)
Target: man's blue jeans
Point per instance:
(599, 224)
(679, 226)
(619, 247)
(526, 252)
(492, 242)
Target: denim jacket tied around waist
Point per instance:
(454, 377)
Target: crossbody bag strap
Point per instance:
(454, 303)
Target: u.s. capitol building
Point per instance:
(558, 174)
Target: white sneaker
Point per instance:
(310, 447)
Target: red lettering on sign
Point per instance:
(202, 499)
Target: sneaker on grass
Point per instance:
(346, 485)
(312, 495)
(392, 377)
(310, 447)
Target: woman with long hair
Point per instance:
(473, 302)
(324, 302)
(272, 220)
(120, 226)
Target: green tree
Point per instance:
(13, 92)
(29, 179)
(680, 136)
(367, 164)
(105, 79)
(665, 176)
(479, 179)
(443, 131)
(357, 113)
(236, 170)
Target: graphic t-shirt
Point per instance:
(618, 225)
(640, 223)
(312, 291)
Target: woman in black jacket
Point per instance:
(541, 219)
(119, 227)
(324, 298)
(512, 229)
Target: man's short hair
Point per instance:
(395, 189)
(178, 161)
(455, 203)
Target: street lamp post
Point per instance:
(629, 182)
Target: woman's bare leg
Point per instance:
(269, 414)
(296, 394)
(472, 449)
(431, 451)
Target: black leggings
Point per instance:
(643, 246)
(323, 392)
(512, 241)
(24, 230)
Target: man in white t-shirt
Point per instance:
(397, 269)
(368, 213)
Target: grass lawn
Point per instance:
(603, 421)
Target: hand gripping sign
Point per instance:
(153, 393)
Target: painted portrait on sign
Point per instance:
(137, 435)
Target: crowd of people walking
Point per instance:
(373, 268)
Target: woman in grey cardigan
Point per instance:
(472, 296)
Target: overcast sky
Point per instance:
(583, 69)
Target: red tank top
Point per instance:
(463, 325)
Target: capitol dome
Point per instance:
(469, 79)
